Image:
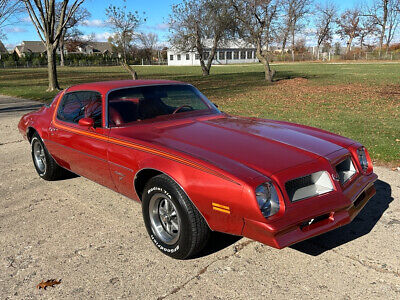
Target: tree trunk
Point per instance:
(62, 57)
(130, 70)
(269, 74)
(293, 43)
(383, 31)
(349, 45)
(52, 69)
(318, 52)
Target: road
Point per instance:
(94, 240)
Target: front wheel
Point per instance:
(45, 165)
(172, 221)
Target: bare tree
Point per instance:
(124, 23)
(80, 15)
(43, 16)
(349, 26)
(367, 28)
(393, 20)
(7, 9)
(194, 23)
(325, 19)
(293, 11)
(148, 43)
(256, 24)
(385, 14)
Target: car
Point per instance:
(195, 169)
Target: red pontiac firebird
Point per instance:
(196, 169)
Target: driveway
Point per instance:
(94, 240)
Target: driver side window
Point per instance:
(77, 105)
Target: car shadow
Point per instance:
(217, 242)
(361, 225)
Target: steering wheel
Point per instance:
(182, 106)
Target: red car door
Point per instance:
(81, 149)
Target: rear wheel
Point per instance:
(45, 165)
(172, 221)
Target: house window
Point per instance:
(236, 55)
(187, 56)
(221, 55)
(229, 55)
(171, 57)
(206, 55)
(242, 54)
(249, 54)
(196, 56)
(178, 57)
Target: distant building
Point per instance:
(231, 52)
(38, 47)
(90, 48)
(3, 49)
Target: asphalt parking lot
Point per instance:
(94, 240)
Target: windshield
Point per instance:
(148, 102)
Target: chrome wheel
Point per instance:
(39, 155)
(164, 218)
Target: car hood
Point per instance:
(235, 143)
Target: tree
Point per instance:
(80, 15)
(349, 26)
(325, 19)
(294, 11)
(148, 43)
(43, 16)
(367, 28)
(124, 23)
(7, 9)
(385, 15)
(256, 24)
(199, 25)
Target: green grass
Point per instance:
(360, 101)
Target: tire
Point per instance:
(175, 226)
(45, 165)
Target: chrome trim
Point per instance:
(134, 188)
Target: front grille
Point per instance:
(345, 170)
(314, 184)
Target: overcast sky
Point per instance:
(156, 11)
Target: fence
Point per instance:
(384, 56)
(75, 63)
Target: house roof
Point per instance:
(101, 47)
(3, 49)
(33, 47)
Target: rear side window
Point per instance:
(77, 105)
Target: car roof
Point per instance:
(106, 86)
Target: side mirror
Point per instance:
(86, 122)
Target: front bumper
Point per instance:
(289, 232)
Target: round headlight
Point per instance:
(267, 199)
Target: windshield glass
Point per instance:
(148, 102)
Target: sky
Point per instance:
(156, 13)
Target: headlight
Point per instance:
(267, 199)
(362, 158)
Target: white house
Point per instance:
(231, 52)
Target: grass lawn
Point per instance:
(360, 101)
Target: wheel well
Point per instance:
(141, 178)
(30, 133)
